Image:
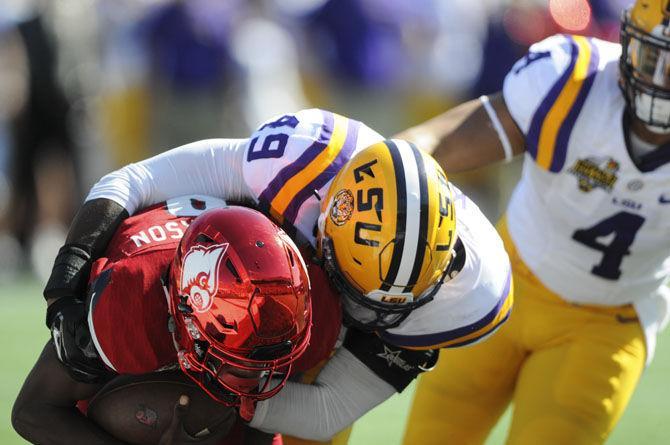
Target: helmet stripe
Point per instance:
(423, 219)
(401, 208)
(409, 215)
(412, 214)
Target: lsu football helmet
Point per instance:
(239, 298)
(386, 233)
(645, 62)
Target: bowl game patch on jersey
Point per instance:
(595, 172)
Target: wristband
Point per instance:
(69, 273)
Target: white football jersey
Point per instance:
(475, 302)
(589, 221)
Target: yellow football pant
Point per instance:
(569, 370)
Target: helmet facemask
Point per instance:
(369, 312)
(226, 375)
(645, 73)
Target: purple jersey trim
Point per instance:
(533, 136)
(561, 147)
(326, 175)
(304, 159)
(428, 340)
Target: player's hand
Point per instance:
(66, 318)
(175, 433)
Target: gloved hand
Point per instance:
(67, 321)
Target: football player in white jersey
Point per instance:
(587, 230)
(418, 265)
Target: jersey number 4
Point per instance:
(624, 226)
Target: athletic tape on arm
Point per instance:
(507, 147)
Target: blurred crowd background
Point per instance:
(89, 85)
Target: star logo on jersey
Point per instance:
(342, 208)
(595, 172)
(393, 358)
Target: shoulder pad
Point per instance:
(545, 92)
(291, 160)
(158, 227)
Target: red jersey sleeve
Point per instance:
(326, 320)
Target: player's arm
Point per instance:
(541, 97)
(361, 375)
(471, 135)
(45, 410)
(209, 167)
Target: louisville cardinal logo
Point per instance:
(200, 275)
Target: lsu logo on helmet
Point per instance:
(342, 208)
(199, 276)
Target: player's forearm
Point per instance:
(89, 234)
(468, 136)
(45, 424)
(344, 391)
(208, 167)
(45, 410)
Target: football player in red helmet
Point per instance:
(239, 298)
(232, 308)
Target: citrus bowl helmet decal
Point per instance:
(645, 62)
(239, 299)
(386, 232)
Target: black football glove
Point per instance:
(67, 320)
(91, 230)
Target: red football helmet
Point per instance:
(240, 300)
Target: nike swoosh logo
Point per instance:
(663, 200)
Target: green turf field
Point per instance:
(22, 332)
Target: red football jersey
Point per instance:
(128, 315)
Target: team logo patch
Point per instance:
(146, 416)
(343, 207)
(200, 275)
(595, 173)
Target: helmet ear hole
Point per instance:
(204, 239)
(231, 268)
